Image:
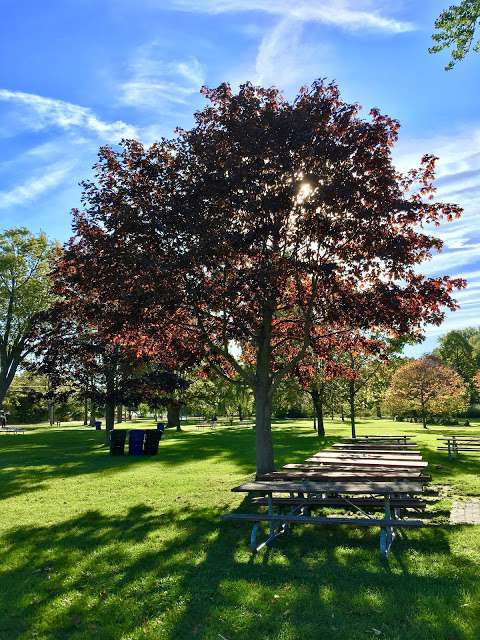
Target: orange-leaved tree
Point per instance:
(426, 387)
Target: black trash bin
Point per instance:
(161, 426)
(117, 442)
(135, 442)
(152, 440)
(98, 425)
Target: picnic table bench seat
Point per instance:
(364, 502)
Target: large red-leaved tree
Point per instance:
(269, 223)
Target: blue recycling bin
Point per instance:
(161, 426)
(136, 438)
(98, 425)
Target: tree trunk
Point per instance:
(351, 399)
(342, 415)
(110, 398)
(378, 408)
(173, 415)
(240, 413)
(119, 413)
(263, 392)
(85, 412)
(51, 413)
(317, 398)
(93, 410)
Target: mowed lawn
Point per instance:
(94, 546)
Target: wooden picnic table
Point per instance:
(456, 444)
(338, 478)
(343, 492)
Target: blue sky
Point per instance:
(76, 74)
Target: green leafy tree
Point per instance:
(455, 30)
(456, 351)
(25, 291)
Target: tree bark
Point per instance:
(51, 413)
(378, 408)
(317, 398)
(240, 413)
(351, 399)
(173, 415)
(93, 410)
(85, 412)
(263, 393)
(110, 398)
(342, 415)
(119, 413)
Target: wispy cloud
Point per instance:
(39, 112)
(347, 14)
(51, 177)
(153, 81)
(286, 58)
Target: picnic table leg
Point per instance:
(387, 534)
(272, 533)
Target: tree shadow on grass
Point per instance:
(185, 574)
(28, 463)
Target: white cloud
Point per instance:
(347, 14)
(286, 58)
(153, 81)
(34, 187)
(38, 112)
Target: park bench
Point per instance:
(342, 493)
(12, 430)
(456, 444)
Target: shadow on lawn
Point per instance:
(28, 462)
(135, 576)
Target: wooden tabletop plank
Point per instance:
(382, 437)
(370, 462)
(374, 450)
(361, 455)
(376, 445)
(307, 486)
(333, 470)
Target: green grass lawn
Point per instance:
(94, 546)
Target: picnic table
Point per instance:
(335, 479)
(12, 430)
(456, 444)
(313, 493)
(206, 425)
